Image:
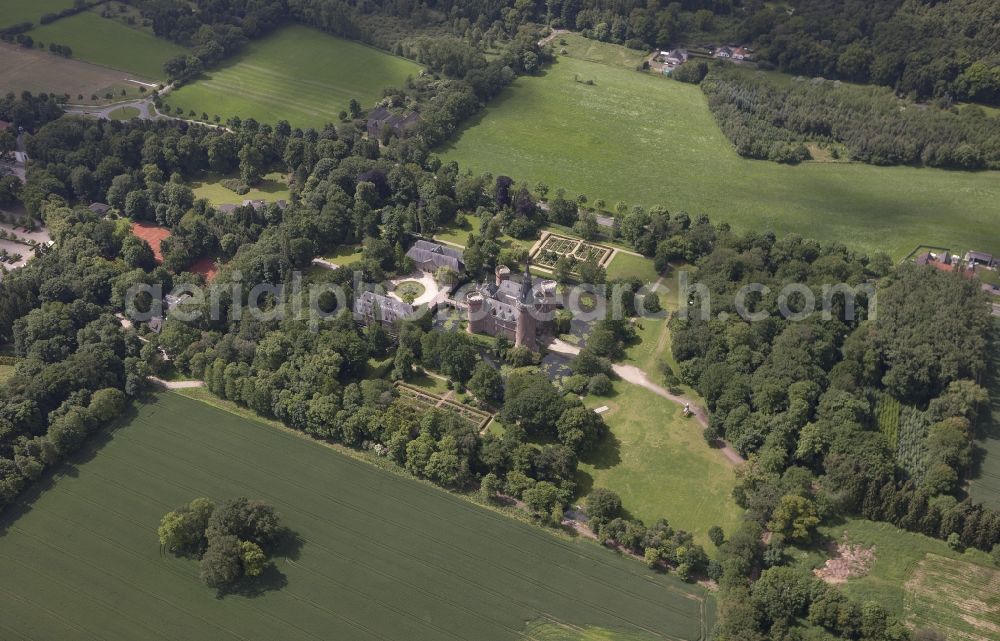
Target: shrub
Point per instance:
(599, 385)
(236, 185)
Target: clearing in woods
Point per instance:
(918, 578)
(647, 140)
(659, 463)
(381, 556)
(298, 74)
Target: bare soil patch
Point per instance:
(848, 560)
(39, 71)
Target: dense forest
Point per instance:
(922, 49)
(768, 120)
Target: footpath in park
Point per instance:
(635, 376)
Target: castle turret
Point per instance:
(503, 273)
(476, 312)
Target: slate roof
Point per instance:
(438, 255)
(390, 309)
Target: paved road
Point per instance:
(636, 376)
(147, 111)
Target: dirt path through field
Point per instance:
(634, 375)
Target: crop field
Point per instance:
(887, 410)
(644, 139)
(110, 43)
(18, 11)
(959, 596)
(297, 74)
(379, 556)
(39, 71)
(923, 580)
(660, 465)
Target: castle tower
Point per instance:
(524, 335)
(476, 313)
(503, 273)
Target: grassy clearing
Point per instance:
(661, 466)
(297, 74)
(595, 51)
(39, 71)
(345, 255)
(107, 42)
(381, 556)
(6, 371)
(643, 139)
(922, 579)
(18, 11)
(628, 266)
(123, 113)
(273, 187)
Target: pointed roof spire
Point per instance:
(526, 282)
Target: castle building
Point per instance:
(369, 306)
(521, 311)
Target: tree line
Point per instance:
(767, 121)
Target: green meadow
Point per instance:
(920, 579)
(660, 465)
(110, 43)
(18, 11)
(273, 187)
(298, 74)
(644, 139)
(377, 555)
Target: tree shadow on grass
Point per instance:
(68, 468)
(270, 580)
(606, 454)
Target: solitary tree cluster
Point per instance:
(231, 540)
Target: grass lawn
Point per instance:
(628, 266)
(381, 556)
(344, 255)
(272, 188)
(6, 371)
(107, 42)
(595, 51)
(429, 383)
(660, 465)
(409, 290)
(922, 579)
(298, 74)
(644, 139)
(123, 113)
(18, 11)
